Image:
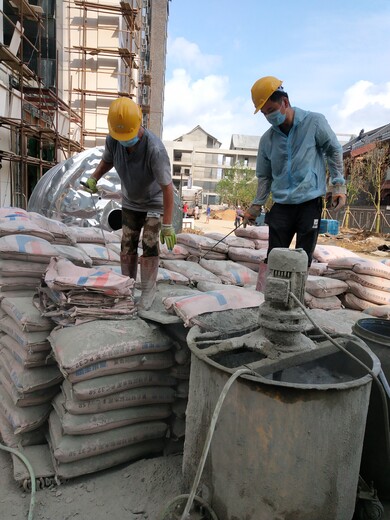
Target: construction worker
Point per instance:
(142, 163)
(291, 164)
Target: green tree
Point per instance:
(238, 186)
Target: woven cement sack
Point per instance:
(107, 385)
(165, 275)
(254, 266)
(230, 272)
(192, 270)
(99, 422)
(69, 448)
(328, 303)
(379, 311)
(23, 356)
(241, 254)
(13, 213)
(99, 254)
(370, 295)
(23, 227)
(208, 286)
(23, 419)
(350, 301)
(108, 460)
(19, 283)
(88, 235)
(26, 247)
(61, 232)
(128, 398)
(254, 232)
(201, 243)
(153, 361)
(12, 440)
(26, 315)
(20, 268)
(22, 400)
(98, 341)
(363, 266)
(231, 240)
(74, 254)
(318, 269)
(195, 254)
(326, 254)
(179, 252)
(17, 294)
(323, 287)
(261, 244)
(372, 282)
(33, 341)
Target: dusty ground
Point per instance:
(141, 490)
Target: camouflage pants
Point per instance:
(132, 224)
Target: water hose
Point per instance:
(32, 476)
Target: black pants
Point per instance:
(284, 220)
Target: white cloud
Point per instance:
(187, 54)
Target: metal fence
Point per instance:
(363, 217)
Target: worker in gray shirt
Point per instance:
(142, 164)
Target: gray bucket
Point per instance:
(288, 447)
(375, 466)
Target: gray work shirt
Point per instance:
(142, 172)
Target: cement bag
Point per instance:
(108, 460)
(241, 254)
(254, 266)
(99, 254)
(22, 439)
(25, 357)
(254, 232)
(318, 269)
(210, 255)
(153, 361)
(98, 341)
(61, 232)
(323, 287)
(114, 246)
(373, 282)
(25, 380)
(26, 315)
(26, 247)
(62, 275)
(382, 311)
(201, 243)
(328, 303)
(128, 398)
(232, 240)
(230, 272)
(13, 213)
(68, 448)
(386, 261)
(22, 419)
(20, 268)
(178, 252)
(89, 235)
(74, 254)
(16, 283)
(107, 385)
(32, 341)
(325, 254)
(350, 301)
(165, 275)
(370, 295)
(21, 400)
(100, 422)
(188, 307)
(23, 227)
(372, 268)
(209, 286)
(192, 270)
(261, 244)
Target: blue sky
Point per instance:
(333, 58)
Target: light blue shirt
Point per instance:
(293, 167)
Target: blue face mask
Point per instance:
(130, 142)
(276, 118)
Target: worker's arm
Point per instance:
(168, 235)
(264, 180)
(91, 183)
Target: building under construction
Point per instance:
(61, 65)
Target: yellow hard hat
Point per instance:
(263, 89)
(124, 119)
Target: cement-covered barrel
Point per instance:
(375, 467)
(288, 441)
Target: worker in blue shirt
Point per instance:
(291, 165)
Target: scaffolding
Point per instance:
(36, 119)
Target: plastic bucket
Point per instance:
(375, 465)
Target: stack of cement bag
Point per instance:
(71, 295)
(116, 398)
(29, 377)
(368, 283)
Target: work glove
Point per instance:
(339, 196)
(168, 236)
(251, 214)
(90, 185)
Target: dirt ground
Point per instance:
(140, 490)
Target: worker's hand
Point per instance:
(90, 185)
(168, 236)
(251, 214)
(339, 196)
